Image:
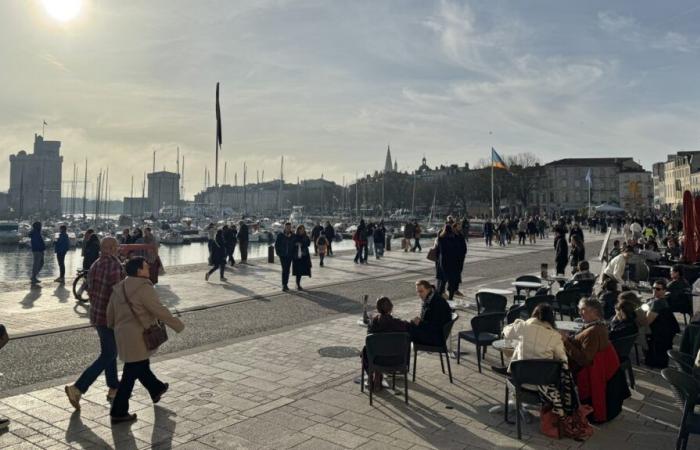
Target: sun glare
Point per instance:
(62, 10)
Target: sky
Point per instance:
(330, 83)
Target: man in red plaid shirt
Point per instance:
(103, 275)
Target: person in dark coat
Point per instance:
(561, 253)
(243, 241)
(578, 253)
(488, 232)
(91, 248)
(462, 252)
(576, 230)
(382, 322)
(360, 238)
(230, 239)
(663, 326)
(427, 329)
(451, 249)
(407, 236)
(301, 259)
(315, 234)
(330, 235)
(379, 237)
(624, 322)
(284, 247)
(218, 256)
(61, 248)
(38, 248)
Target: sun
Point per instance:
(62, 10)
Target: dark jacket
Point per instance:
(622, 328)
(451, 250)
(230, 238)
(218, 251)
(301, 259)
(576, 231)
(578, 254)
(435, 314)
(243, 233)
(284, 245)
(91, 251)
(62, 244)
(37, 240)
(561, 252)
(386, 323)
(379, 236)
(316, 232)
(329, 231)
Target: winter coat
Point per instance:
(561, 252)
(329, 231)
(218, 252)
(450, 258)
(37, 241)
(91, 251)
(62, 244)
(128, 328)
(243, 233)
(379, 236)
(301, 259)
(284, 246)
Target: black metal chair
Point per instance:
(486, 328)
(532, 302)
(685, 361)
(530, 372)
(487, 302)
(517, 298)
(686, 389)
(516, 312)
(387, 353)
(439, 349)
(681, 303)
(566, 302)
(585, 286)
(623, 347)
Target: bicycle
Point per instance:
(80, 286)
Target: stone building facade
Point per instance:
(163, 190)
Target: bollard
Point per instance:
(271, 254)
(387, 247)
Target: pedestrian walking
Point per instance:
(462, 253)
(322, 246)
(301, 261)
(360, 238)
(135, 307)
(330, 235)
(502, 233)
(370, 239)
(61, 247)
(38, 249)
(218, 256)
(211, 236)
(488, 233)
(577, 253)
(532, 230)
(104, 274)
(284, 247)
(416, 237)
(561, 253)
(379, 238)
(407, 236)
(243, 241)
(450, 253)
(230, 243)
(315, 234)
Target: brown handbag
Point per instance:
(432, 254)
(153, 336)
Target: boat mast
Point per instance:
(85, 192)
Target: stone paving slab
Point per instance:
(51, 306)
(276, 392)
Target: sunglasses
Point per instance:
(658, 289)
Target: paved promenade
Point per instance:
(294, 388)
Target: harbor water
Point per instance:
(16, 262)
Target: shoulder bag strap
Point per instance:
(131, 307)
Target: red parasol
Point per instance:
(689, 253)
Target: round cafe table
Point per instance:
(569, 325)
(529, 285)
(505, 292)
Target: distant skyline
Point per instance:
(329, 83)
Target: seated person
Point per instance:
(537, 338)
(583, 272)
(383, 322)
(427, 329)
(616, 250)
(595, 364)
(650, 252)
(673, 249)
(678, 284)
(623, 324)
(608, 297)
(663, 326)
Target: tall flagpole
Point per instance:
(589, 197)
(492, 197)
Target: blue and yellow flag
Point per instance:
(496, 161)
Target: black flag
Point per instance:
(218, 117)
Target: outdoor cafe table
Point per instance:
(504, 292)
(527, 285)
(568, 325)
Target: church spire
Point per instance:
(388, 166)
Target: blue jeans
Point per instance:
(107, 362)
